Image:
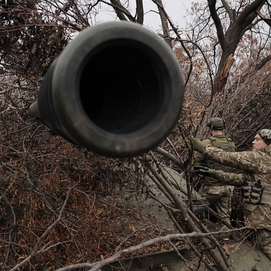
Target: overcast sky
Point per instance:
(176, 9)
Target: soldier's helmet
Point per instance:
(216, 123)
(265, 134)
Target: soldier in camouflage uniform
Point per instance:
(255, 181)
(216, 193)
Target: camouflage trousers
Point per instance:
(264, 241)
(219, 197)
(259, 215)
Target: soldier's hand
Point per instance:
(200, 170)
(197, 144)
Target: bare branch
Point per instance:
(36, 250)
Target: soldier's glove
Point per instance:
(197, 145)
(205, 171)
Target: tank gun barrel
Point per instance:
(116, 89)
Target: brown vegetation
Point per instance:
(59, 204)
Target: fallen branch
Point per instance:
(117, 256)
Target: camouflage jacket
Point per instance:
(255, 165)
(218, 141)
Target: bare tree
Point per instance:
(60, 203)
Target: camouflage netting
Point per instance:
(63, 201)
(45, 179)
(41, 174)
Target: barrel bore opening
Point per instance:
(121, 89)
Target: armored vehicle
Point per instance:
(117, 90)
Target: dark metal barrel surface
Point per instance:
(116, 89)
